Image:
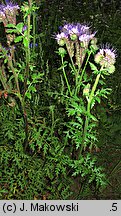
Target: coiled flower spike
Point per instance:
(74, 32)
(8, 12)
(106, 57)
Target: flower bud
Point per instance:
(94, 41)
(62, 51)
(73, 37)
(61, 42)
(98, 58)
(111, 69)
(86, 90)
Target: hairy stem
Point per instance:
(27, 54)
(34, 31)
(88, 111)
(10, 64)
(64, 73)
(83, 71)
(3, 79)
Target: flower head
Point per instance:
(106, 57)
(24, 28)
(85, 38)
(76, 31)
(1, 7)
(86, 35)
(2, 14)
(61, 38)
(8, 12)
(11, 7)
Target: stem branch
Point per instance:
(66, 77)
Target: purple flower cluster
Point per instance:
(9, 8)
(8, 13)
(2, 14)
(75, 31)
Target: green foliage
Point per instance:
(56, 111)
(85, 167)
(25, 176)
(19, 173)
(12, 124)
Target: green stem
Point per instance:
(25, 122)
(34, 30)
(83, 71)
(30, 2)
(72, 62)
(27, 54)
(10, 64)
(84, 134)
(88, 111)
(3, 79)
(64, 73)
(52, 114)
(25, 83)
(77, 83)
(78, 63)
(92, 92)
(28, 38)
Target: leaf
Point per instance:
(76, 125)
(79, 119)
(32, 88)
(98, 99)
(5, 61)
(10, 78)
(28, 95)
(34, 76)
(11, 25)
(18, 39)
(25, 42)
(63, 66)
(93, 67)
(93, 117)
(72, 69)
(21, 77)
(32, 67)
(28, 82)
(20, 26)
(71, 112)
(11, 31)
